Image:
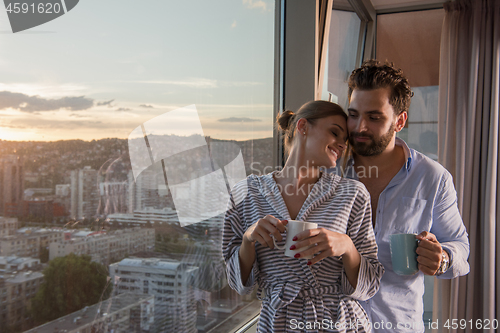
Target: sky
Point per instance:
(106, 67)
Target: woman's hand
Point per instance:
(327, 243)
(330, 243)
(258, 232)
(262, 230)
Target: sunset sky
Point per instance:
(106, 67)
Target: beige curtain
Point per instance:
(468, 147)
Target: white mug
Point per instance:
(293, 228)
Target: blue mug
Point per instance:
(403, 253)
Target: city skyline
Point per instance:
(72, 91)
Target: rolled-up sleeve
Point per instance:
(361, 232)
(449, 229)
(232, 237)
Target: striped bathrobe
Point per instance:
(297, 297)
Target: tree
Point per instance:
(44, 254)
(70, 283)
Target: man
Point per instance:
(410, 193)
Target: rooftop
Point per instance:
(94, 313)
(14, 260)
(21, 277)
(157, 263)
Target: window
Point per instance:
(419, 60)
(87, 90)
(418, 35)
(342, 50)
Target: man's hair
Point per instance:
(373, 75)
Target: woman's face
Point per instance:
(325, 141)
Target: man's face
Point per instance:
(371, 123)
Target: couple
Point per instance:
(408, 193)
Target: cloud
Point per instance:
(255, 4)
(123, 109)
(44, 89)
(40, 123)
(26, 103)
(108, 103)
(201, 83)
(238, 120)
(239, 106)
(146, 106)
(240, 83)
(194, 82)
(233, 25)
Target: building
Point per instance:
(8, 226)
(15, 263)
(62, 200)
(119, 314)
(11, 184)
(42, 193)
(63, 190)
(126, 196)
(149, 191)
(84, 193)
(39, 209)
(143, 216)
(169, 281)
(105, 247)
(27, 242)
(16, 289)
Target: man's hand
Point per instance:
(429, 253)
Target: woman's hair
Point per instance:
(311, 111)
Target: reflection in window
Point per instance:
(342, 50)
(417, 36)
(75, 97)
(421, 132)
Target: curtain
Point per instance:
(468, 147)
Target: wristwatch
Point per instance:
(445, 264)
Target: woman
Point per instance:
(320, 294)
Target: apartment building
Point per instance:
(169, 281)
(142, 216)
(84, 193)
(105, 247)
(11, 184)
(16, 290)
(14, 263)
(8, 226)
(27, 242)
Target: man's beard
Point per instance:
(374, 147)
